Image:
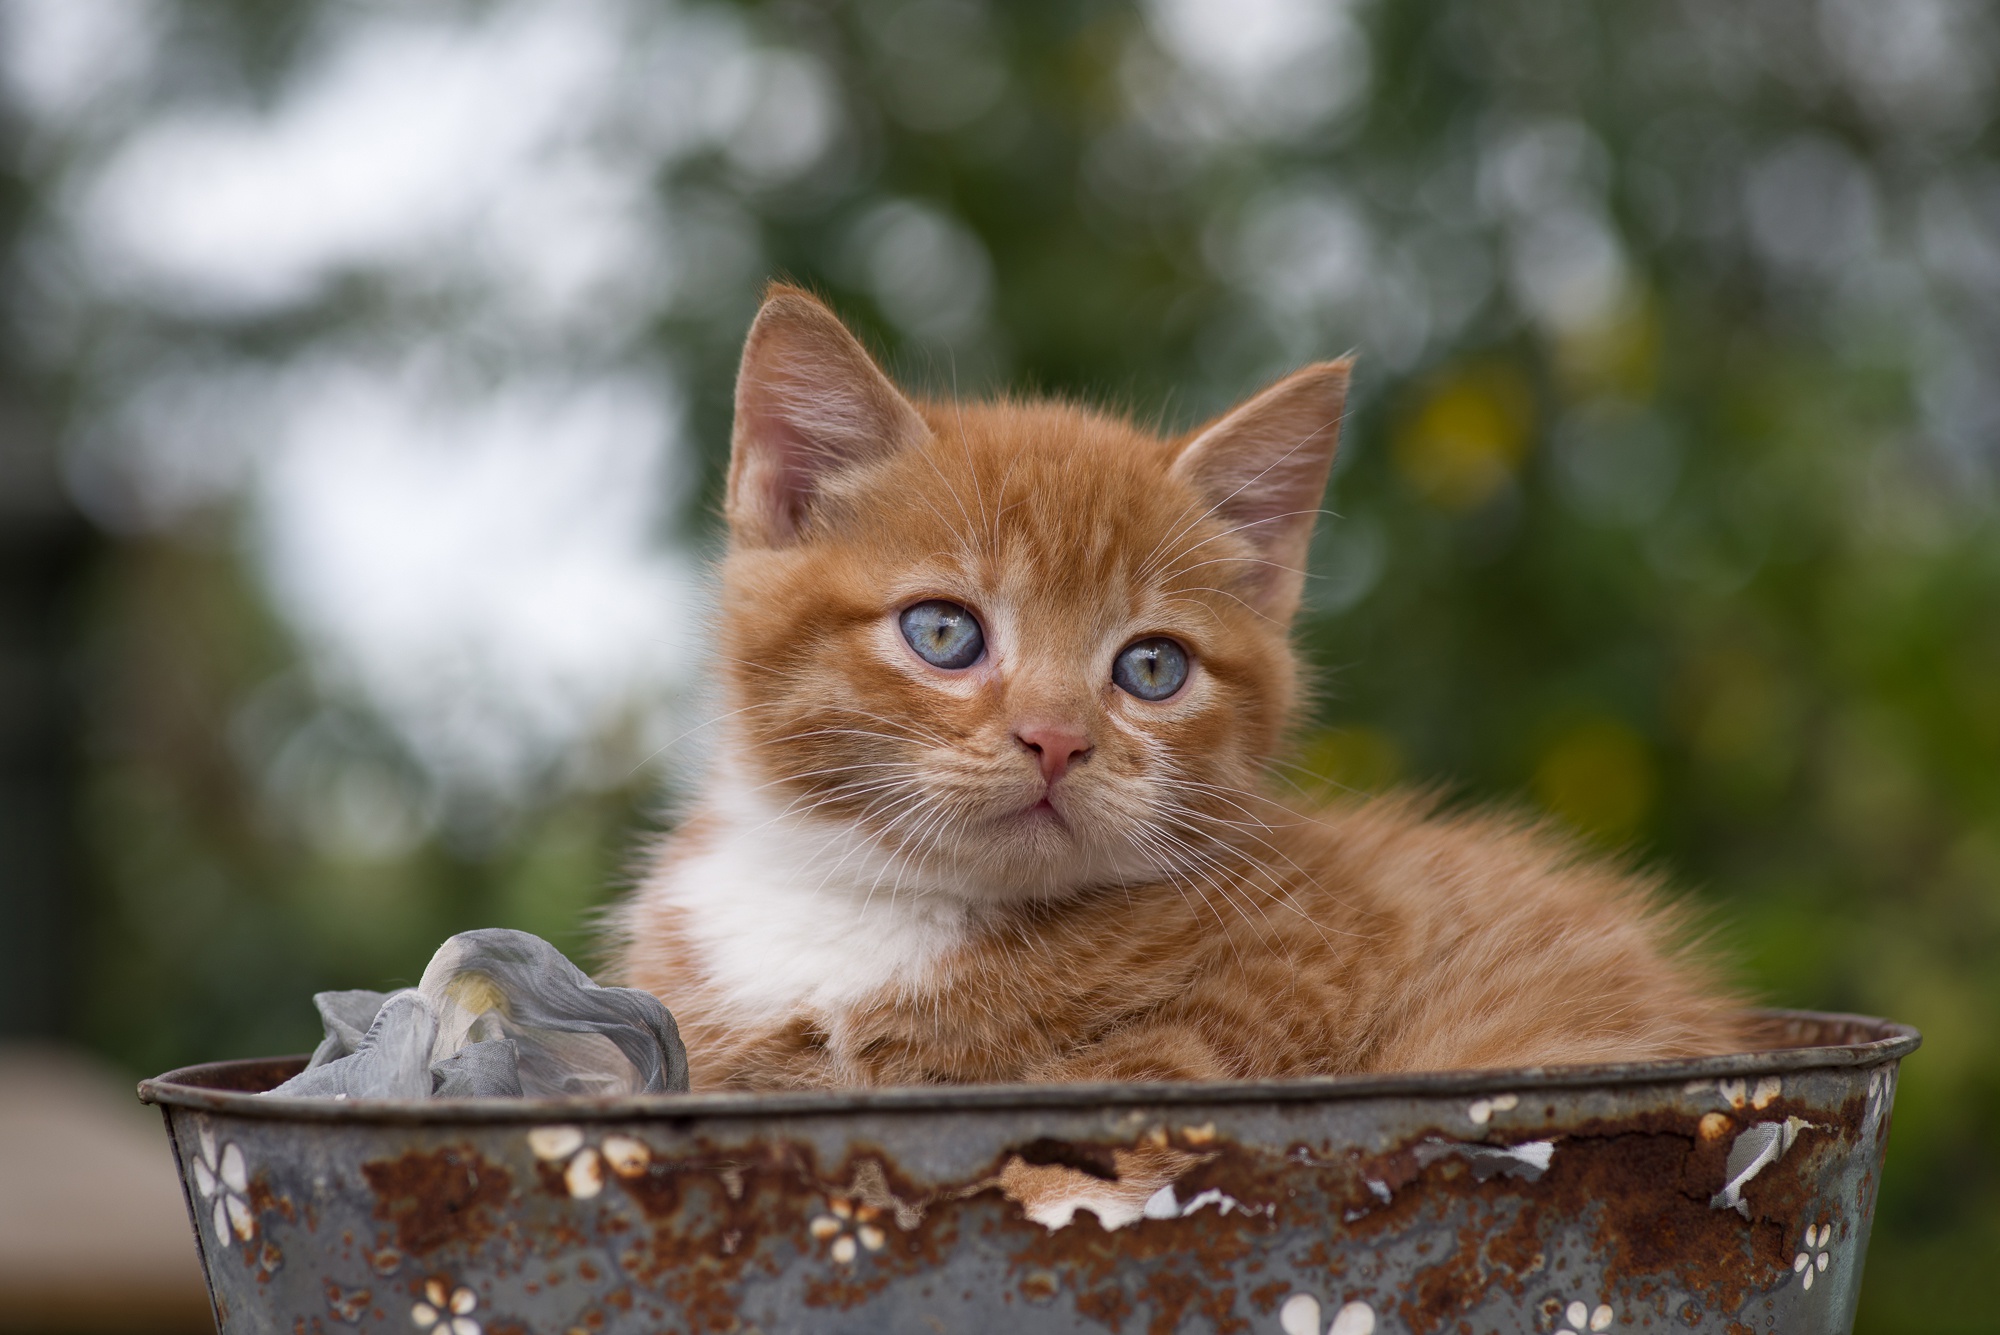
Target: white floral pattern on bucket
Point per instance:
(626, 1156)
(1760, 1096)
(1881, 1087)
(1482, 1110)
(446, 1311)
(224, 1178)
(1815, 1258)
(848, 1228)
(583, 1165)
(1300, 1316)
(585, 1174)
(1356, 1318)
(550, 1143)
(1580, 1317)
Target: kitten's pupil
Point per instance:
(943, 634)
(1151, 669)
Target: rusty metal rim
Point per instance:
(187, 1088)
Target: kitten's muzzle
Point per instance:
(1056, 747)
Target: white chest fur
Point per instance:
(787, 912)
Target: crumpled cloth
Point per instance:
(497, 1013)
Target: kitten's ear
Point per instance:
(810, 405)
(1263, 467)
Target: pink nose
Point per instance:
(1054, 745)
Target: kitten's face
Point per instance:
(1023, 647)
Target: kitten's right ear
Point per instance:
(1263, 468)
(810, 405)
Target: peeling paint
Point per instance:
(1162, 1205)
(1364, 1205)
(1116, 1193)
(1529, 1160)
(347, 1305)
(1757, 1148)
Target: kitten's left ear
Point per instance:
(1263, 467)
(811, 408)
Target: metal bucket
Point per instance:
(1729, 1194)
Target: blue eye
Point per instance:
(943, 634)
(1151, 669)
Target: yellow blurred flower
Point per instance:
(1352, 760)
(1615, 356)
(1599, 776)
(1468, 438)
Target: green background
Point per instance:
(1703, 561)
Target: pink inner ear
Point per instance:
(1263, 467)
(780, 469)
(1255, 490)
(810, 403)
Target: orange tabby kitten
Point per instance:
(1003, 682)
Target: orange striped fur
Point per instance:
(882, 882)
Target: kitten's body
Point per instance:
(1020, 871)
(1397, 942)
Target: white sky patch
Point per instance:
(1925, 64)
(1307, 254)
(1302, 250)
(515, 149)
(177, 442)
(1565, 263)
(59, 56)
(778, 111)
(485, 563)
(408, 131)
(1568, 268)
(1268, 67)
(1811, 206)
(928, 272)
(483, 567)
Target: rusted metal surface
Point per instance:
(1731, 1195)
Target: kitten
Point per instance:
(1003, 681)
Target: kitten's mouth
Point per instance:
(1041, 811)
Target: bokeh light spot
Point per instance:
(1616, 355)
(1354, 760)
(1598, 775)
(1468, 437)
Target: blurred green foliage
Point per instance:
(1654, 509)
